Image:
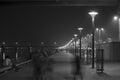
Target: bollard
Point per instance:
(99, 61)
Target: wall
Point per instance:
(112, 51)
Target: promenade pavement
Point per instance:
(63, 70)
(111, 69)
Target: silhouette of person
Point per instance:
(38, 59)
(78, 70)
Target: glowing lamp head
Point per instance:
(3, 43)
(42, 43)
(93, 13)
(97, 29)
(55, 42)
(102, 29)
(16, 42)
(80, 29)
(115, 17)
(75, 35)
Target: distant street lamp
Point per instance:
(99, 51)
(16, 51)
(93, 14)
(118, 19)
(3, 50)
(100, 35)
(80, 29)
(75, 35)
(42, 43)
(55, 43)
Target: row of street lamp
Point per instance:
(92, 14)
(100, 30)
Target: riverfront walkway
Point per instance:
(62, 70)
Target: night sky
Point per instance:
(50, 24)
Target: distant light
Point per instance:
(115, 17)
(55, 42)
(16, 42)
(102, 29)
(97, 29)
(3, 43)
(80, 29)
(42, 43)
(91, 35)
(75, 35)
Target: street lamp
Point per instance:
(3, 50)
(16, 50)
(42, 43)
(100, 34)
(117, 18)
(93, 14)
(80, 29)
(99, 52)
(75, 35)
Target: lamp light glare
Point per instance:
(97, 29)
(93, 13)
(115, 17)
(75, 35)
(102, 29)
(80, 29)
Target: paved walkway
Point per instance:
(62, 70)
(111, 70)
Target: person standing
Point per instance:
(78, 68)
(38, 59)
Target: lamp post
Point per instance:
(93, 14)
(16, 51)
(75, 35)
(3, 50)
(80, 29)
(55, 44)
(30, 50)
(118, 19)
(99, 55)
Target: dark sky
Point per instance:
(50, 23)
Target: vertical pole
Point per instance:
(30, 51)
(93, 42)
(75, 46)
(16, 56)
(99, 31)
(3, 51)
(16, 53)
(80, 45)
(119, 28)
